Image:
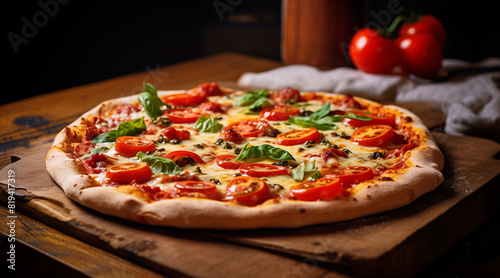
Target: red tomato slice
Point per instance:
(372, 135)
(182, 116)
(189, 98)
(209, 89)
(227, 161)
(176, 155)
(130, 145)
(296, 137)
(349, 175)
(229, 134)
(188, 187)
(248, 191)
(376, 120)
(262, 170)
(279, 112)
(333, 152)
(128, 172)
(249, 128)
(286, 95)
(320, 189)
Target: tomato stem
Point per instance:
(390, 32)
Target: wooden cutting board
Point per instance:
(399, 242)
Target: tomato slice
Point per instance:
(333, 152)
(249, 128)
(188, 98)
(296, 137)
(286, 95)
(279, 112)
(128, 172)
(209, 89)
(376, 120)
(183, 157)
(182, 116)
(131, 145)
(227, 161)
(229, 134)
(187, 188)
(321, 189)
(349, 175)
(259, 170)
(248, 191)
(372, 135)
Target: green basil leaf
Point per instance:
(98, 150)
(319, 125)
(264, 151)
(128, 128)
(304, 167)
(322, 112)
(250, 97)
(150, 101)
(338, 118)
(160, 165)
(316, 175)
(206, 124)
(260, 102)
(106, 137)
(152, 104)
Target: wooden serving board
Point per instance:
(399, 242)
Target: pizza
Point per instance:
(219, 158)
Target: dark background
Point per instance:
(88, 41)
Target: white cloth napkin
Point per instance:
(471, 104)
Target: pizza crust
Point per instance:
(369, 198)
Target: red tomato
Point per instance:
(227, 161)
(320, 189)
(349, 175)
(285, 96)
(248, 191)
(171, 133)
(131, 145)
(189, 98)
(128, 172)
(420, 55)
(372, 135)
(279, 112)
(209, 89)
(427, 24)
(178, 155)
(373, 53)
(181, 116)
(259, 170)
(249, 128)
(187, 188)
(333, 152)
(376, 120)
(229, 134)
(296, 137)
(210, 107)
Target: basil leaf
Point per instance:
(322, 112)
(319, 125)
(159, 165)
(263, 151)
(338, 118)
(128, 128)
(106, 137)
(260, 102)
(206, 124)
(250, 97)
(299, 171)
(316, 175)
(150, 101)
(98, 150)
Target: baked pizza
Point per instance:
(214, 157)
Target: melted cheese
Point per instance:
(357, 155)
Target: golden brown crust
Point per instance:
(392, 190)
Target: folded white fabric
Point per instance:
(472, 105)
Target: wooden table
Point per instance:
(44, 247)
